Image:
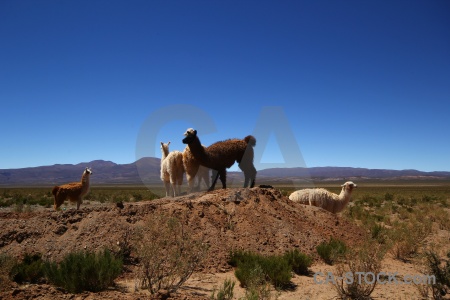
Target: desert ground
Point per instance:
(261, 220)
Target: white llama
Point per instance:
(171, 170)
(322, 198)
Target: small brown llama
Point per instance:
(74, 191)
(222, 155)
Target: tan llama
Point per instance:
(74, 191)
(171, 170)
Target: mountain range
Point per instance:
(110, 173)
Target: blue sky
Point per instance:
(358, 83)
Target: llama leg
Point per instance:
(173, 185)
(180, 180)
(196, 186)
(79, 201)
(197, 181)
(191, 182)
(206, 177)
(223, 178)
(249, 173)
(57, 205)
(59, 200)
(167, 186)
(215, 175)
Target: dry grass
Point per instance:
(167, 253)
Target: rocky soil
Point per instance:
(257, 219)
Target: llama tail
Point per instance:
(250, 139)
(55, 190)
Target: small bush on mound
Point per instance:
(252, 266)
(332, 251)
(6, 264)
(30, 269)
(84, 271)
(168, 253)
(299, 262)
(226, 292)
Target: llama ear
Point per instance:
(195, 132)
(162, 144)
(168, 143)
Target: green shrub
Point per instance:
(6, 264)
(299, 262)
(30, 269)
(441, 272)
(226, 292)
(84, 271)
(252, 267)
(137, 196)
(332, 251)
(388, 197)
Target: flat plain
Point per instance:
(403, 220)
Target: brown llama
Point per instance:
(222, 155)
(194, 171)
(74, 191)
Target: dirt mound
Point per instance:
(256, 219)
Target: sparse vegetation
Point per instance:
(6, 265)
(332, 251)
(402, 221)
(366, 260)
(30, 269)
(440, 269)
(407, 238)
(299, 262)
(252, 268)
(167, 252)
(226, 292)
(84, 271)
(23, 199)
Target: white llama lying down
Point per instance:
(171, 170)
(325, 199)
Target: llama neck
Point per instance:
(164, 153)
(344, 196)
(198, 151)
(85, 181)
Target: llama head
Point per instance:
(87, 171)
(190, 135)
(165, 148)
(349, 186)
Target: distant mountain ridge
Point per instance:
(334, 172)
(108, 172)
